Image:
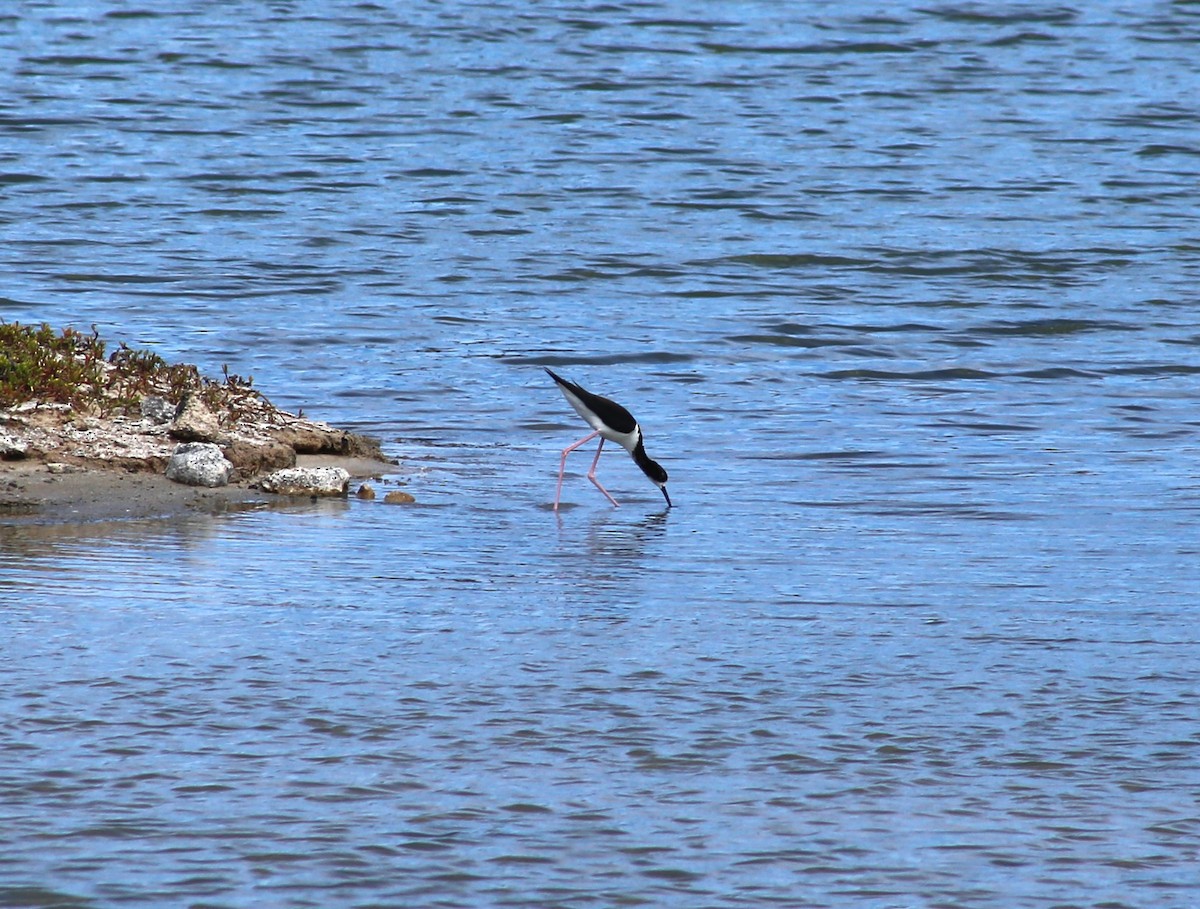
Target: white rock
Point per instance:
(194, 422)
(157, 410)
(12, 447)
(199, 464)
(307, 481)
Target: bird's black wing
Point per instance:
(613, 414)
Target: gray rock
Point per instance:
(157, 410)
(194, 422)
(12, 448)
(307, 481)
(199, 464)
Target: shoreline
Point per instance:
(84, 437)
(34, 492)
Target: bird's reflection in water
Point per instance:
(602, 560)
(624, 541)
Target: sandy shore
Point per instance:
(98, 448)
(38, 493)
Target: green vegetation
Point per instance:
(69, 367)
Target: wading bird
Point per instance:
(610, 421)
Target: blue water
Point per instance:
(903, 298)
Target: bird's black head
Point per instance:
(655, 471)
(658, 476)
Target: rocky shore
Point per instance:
(110, 452)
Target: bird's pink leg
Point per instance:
(592, 475)
(562, 466)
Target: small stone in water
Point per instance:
(307, 481)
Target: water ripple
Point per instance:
(902, 301)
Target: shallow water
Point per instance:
(903, 299)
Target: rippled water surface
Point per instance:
(904, 297)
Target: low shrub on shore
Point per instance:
(70, 367)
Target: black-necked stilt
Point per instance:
(610, 421)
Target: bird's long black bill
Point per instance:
(665, 496)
